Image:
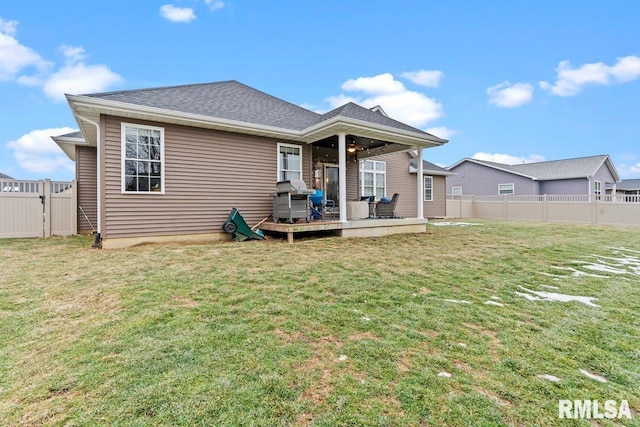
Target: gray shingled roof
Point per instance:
(76, 134)
(355, 111)
(555, 169)
(229, 100)
(235, 101)
(430, 167)
(629, 185)
(3, 176)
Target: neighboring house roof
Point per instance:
(429, 168)
(3, 176)
(629, 185)
(581, 167)
(235, 107)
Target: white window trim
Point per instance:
(374, 171)
(283, 144)
(453, 191)
(513, 189)
(425, 188)
(123, 151)
(598, 191)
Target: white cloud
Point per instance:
(380, 84)
(627, 171)
(36, 152)
(442, 132)
(15, 57)
(177, 14)
(569, 80)
(509, 95)
(508, 159)
(214, 4)
(74, 54)
(79, 78)
(413, 108)
(424, 77)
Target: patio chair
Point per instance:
(386, 209)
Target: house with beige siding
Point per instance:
(170, 163)
(577, 176)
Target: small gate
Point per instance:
(37, 208)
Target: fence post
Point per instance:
(545, 214)
(46, 194)
(505, 207)
(594, 211)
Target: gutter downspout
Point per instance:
(98, 241)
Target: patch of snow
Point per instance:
(342, 358)
(452, 224)
(548, 377)
(555, 276)
(366, 319)
(578, 273)
(499, 304)
(593, 376)
(496, 297)
(458, 301)
(461, 344)
(527, 296)
(444, 374)
(549, 287)
(604, 268)
(551, 296)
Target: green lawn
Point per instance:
(323, 332)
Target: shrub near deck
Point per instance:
(323, 332)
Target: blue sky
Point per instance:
(509, 81)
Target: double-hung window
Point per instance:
(428, 188)
(597, 189)
(506, 189)
(142, 159)
(373, 178)
(289, 162)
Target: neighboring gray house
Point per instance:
(171, 162)
(3, 176)
(579, 176)
(628, 186)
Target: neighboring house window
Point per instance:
(597, 189)
(456, 191)
(142, 159)
(504, 189)
(289, 162)
(373, 178)
(428, 188)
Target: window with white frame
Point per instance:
(142, 159)
(373, 178)
(597, 189)
(289, 162)
(506, 189)
(456, 191)
(428, 188)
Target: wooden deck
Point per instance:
(353, 228)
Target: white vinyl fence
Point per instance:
(37, 208)
(605, 210)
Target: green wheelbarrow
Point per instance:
(237, 226)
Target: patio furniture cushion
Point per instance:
(387, 209)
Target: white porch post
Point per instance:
(420, 174)
(342, 175)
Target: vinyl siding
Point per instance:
(438, 206)
(566, 186)
(207, 173)
(400, 181)
(86, 184)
